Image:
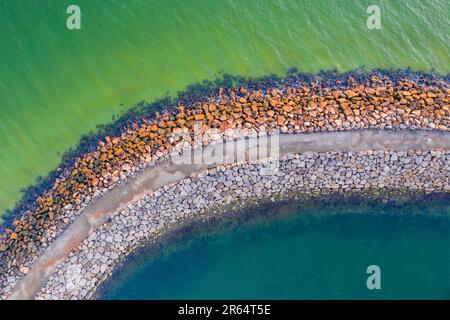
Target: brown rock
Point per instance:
(199, 117)
(288, 108)
(347, 111)
(372, 121)
(311, 105)
(95, 182)
(350, 93)
(261, 120)
(181, 122)
(281, 120)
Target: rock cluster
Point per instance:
(203, 194)
(289, 106)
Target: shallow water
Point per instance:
(299, 252)
(56, 85)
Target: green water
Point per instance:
(302, 253)
(56, 84)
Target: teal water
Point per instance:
(56, 84)
(304, 252)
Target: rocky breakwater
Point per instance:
(227, 187)
(291, 105)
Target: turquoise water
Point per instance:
(304, 252)
(56, 84)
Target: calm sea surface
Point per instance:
(56, 84)
(304, 252)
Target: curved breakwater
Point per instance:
(138, 53)
(163, 196)
(408, 151)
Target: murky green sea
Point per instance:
(56, 84)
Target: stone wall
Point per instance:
(289, 105)
(205, 193)
(372, 101)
